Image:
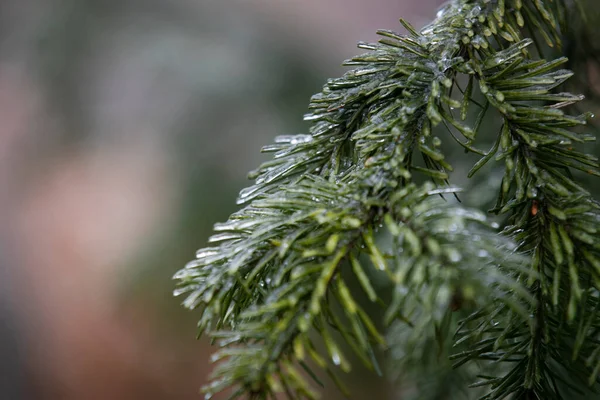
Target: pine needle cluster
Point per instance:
(364, 200)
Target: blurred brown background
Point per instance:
(126, 131)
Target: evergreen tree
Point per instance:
(492, 305)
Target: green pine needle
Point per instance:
(514, 312)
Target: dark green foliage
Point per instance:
(348, 199)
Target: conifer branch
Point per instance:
(274, 274)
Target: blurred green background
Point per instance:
(127, 128)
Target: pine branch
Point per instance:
(319, 207)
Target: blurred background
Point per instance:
(127, 128)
